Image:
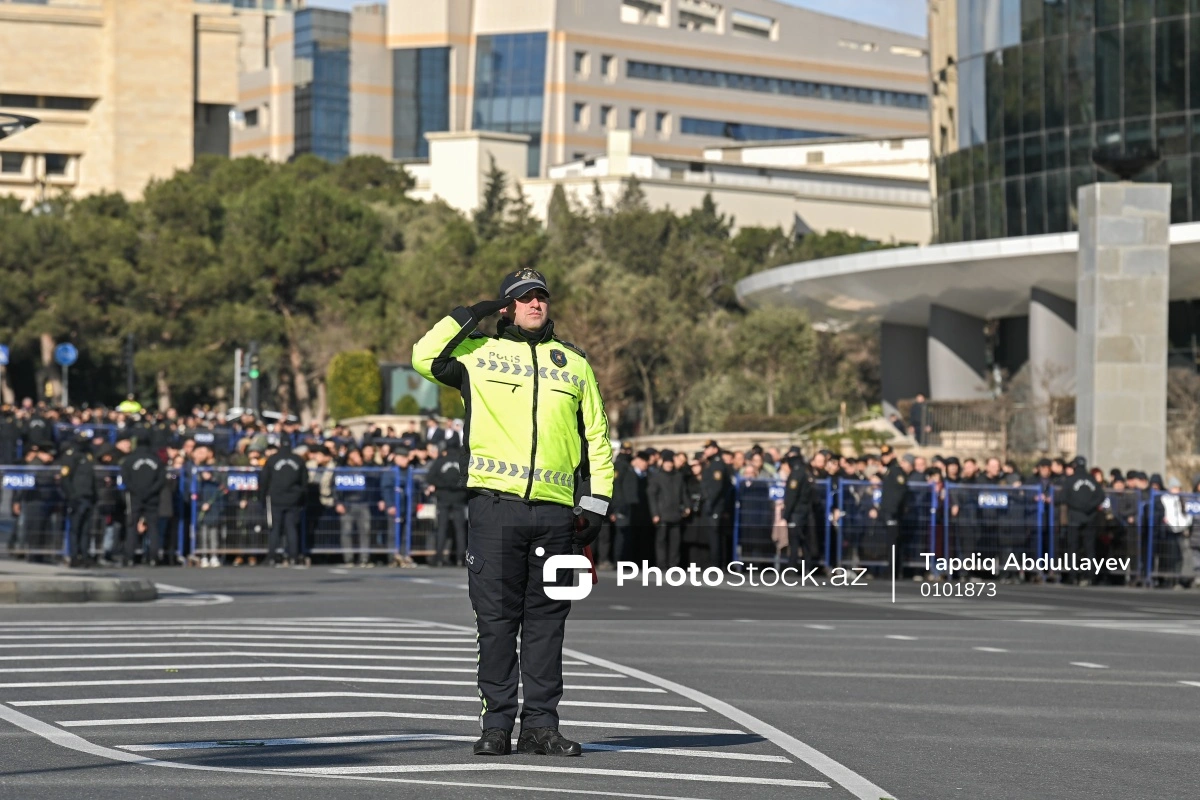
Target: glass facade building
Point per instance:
(420, 99)
(322, 92)
(510, 87)
(1036, 85)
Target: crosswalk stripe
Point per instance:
(261, 665)
(557, 770)
(190, 698)
(316, 741)
(175, 628)
(77, 640)
(341, 679)
(189, 642)
(473, 718)
(223, 653)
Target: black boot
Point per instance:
(546, 742)
(494, 742)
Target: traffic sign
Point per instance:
(66, 354)
(3, 355)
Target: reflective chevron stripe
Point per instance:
(514, 470)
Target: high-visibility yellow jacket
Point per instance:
(535, 422)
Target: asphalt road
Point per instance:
(330, 683)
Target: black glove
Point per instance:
(485, 308)
(587, 528)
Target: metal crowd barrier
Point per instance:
(229, 515)
(423, 516)
(863, 537)
(995, 521)
(1172, 552)
(758, 508)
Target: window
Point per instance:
(636, 120)
(251, 118)
(744, 23)
(322, 104)
(767, 85)
(740, 132)
(56, 163)
(814, 157)
(12, 163)
(580, 114)
(660, 122)
(608, 66)
(67, 103)
(606, 117)
(420, 98)
(19, 100)
(510, 87)
(581, 63)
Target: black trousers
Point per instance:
(715, 527)
(81, 528)
(506, 588)
(802, 540)
(141, 508)
(451, 515)
(623, 538)
(667, 536)
(285, 520)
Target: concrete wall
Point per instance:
(957, 356)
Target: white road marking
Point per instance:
(990, 649)
(192, 698)
(308, 741)
(850, 780)
(1088, 665)
(560, 770)
(262, 664)
(207, 643)
(101, 723)
(901, 637)
(209, 628)
(81, 745)
(189, 638)
(820, 627)
(1191, 683)
(341, 679)
(224, 653)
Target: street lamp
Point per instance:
(15, 123)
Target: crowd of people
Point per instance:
(116, 474)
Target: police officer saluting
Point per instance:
(540, 476)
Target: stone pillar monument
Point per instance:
(1121, 324)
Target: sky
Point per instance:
(901, 15)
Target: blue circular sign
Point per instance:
(66, 354)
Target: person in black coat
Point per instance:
(628, 492)
(716, 491)
(283, 480)
(669, 504)
(1084, 497)
(144, 477)
(797, 508)
(894, 495)
(447, 482)
(78, 482)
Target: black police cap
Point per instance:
(518, 283)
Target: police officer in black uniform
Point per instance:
(144, 477)
(715, 489)
(79, 487)
(283, 480)
(797, 506)
(894, 496)
(1083, 499)
(445, 476)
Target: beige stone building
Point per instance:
(878, 189)
(680, 75)
(126, 90)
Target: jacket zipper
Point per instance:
(533, 452)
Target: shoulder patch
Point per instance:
(717, 475)
(900, 479)
(794, 485)
(570, 347)
(478, 335)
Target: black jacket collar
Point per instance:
(506, 330)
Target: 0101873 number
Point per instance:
(958, 590)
